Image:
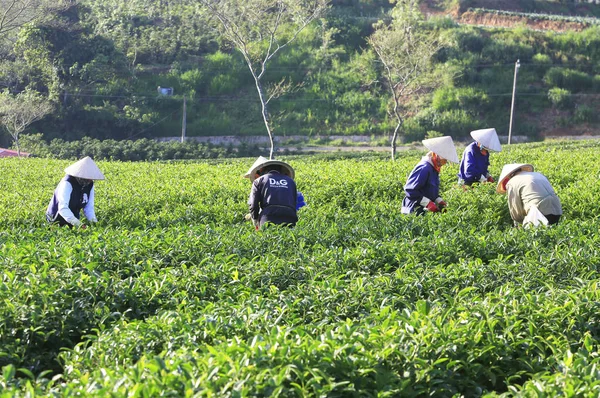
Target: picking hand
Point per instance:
(432, 207)
(491, 179)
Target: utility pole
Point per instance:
(183, 121)
(512, 105)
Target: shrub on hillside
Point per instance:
(455, 122)
(191, 81)
(596, 83)
(433, 134)
(541, 59)
(507, 52)
(585, 114)
(560, 97)
(470, 41)
(413, 131)
(569, 79)
(554, 77)
(448, 98)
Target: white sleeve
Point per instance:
(63, 195)
(425, 201)
(88, 210)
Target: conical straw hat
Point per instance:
(443, 147)
(488, 138)
(85, 168)
(507, 170)
(264, 162)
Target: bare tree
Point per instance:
(17, 112)
(16, 13)
(259, 29)
(405, 49)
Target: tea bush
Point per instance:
(172, 293)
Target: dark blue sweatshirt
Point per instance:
(422, 182)
(273, 199)
(473, 164)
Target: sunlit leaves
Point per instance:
(173, 293)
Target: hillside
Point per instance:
(101, 64)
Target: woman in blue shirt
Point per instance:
(476, 157)
(423, 185)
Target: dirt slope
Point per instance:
(464, 16)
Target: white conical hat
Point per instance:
(507, 170)
(488, 138)
(443, 147)
(264, 162)
(85, 168)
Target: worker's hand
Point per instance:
(491, 179)
(82, 226)
(442, 205)
(256, 224)
(248, 217)
(431, 207)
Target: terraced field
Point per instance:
(174, 294)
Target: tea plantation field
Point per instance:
(174, 294)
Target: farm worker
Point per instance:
(74, 193)
(273, 197)
(530, 195)
(423, 185)
(476, 157)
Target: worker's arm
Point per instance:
(254, 201)
(63, 196)
(88, 209)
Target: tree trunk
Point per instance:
(16, 137)
(398, 125)
(393, 141)
(265, 114)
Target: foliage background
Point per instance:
(102, 61)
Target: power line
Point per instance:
(149, 127)
(211, 70)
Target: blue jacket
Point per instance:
(473, 164)
(273, 199)
(422, 182)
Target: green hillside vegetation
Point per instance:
(174, 294)
(100, 63)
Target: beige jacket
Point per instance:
(528, 189)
